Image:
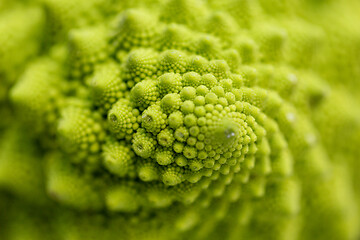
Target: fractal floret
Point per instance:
(179, 119)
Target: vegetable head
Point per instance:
(179, 119)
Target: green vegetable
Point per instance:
(179, 119)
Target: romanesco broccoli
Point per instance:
(179, 119)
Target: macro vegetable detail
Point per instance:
(179, 120)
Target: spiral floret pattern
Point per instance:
(181, 120)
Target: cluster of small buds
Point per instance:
(179, 119)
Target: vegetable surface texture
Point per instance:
(179, 119)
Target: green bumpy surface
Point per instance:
(179, 119)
